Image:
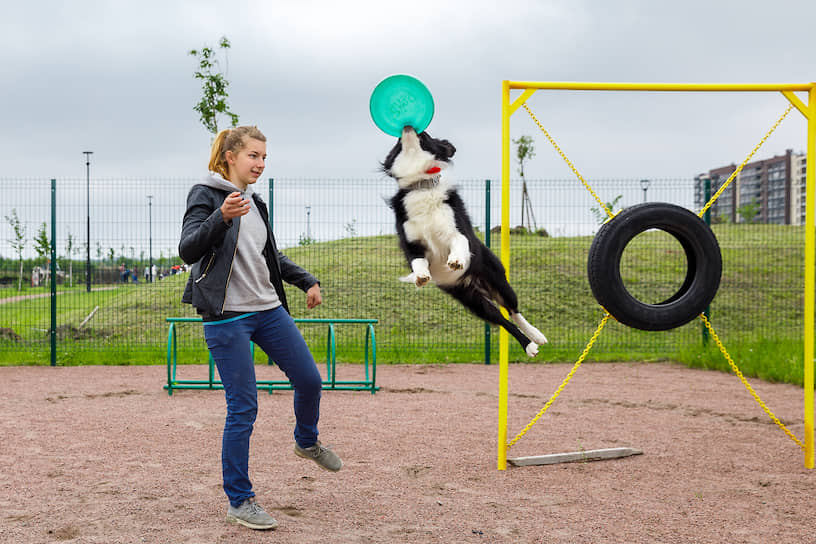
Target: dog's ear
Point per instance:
(443, 150)
(449, 149)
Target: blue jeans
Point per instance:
(274, 331)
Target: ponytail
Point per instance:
(218, 162)
(230, 139)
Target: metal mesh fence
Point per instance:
(342, 230)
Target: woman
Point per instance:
(236, 284)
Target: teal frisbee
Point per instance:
(399, 101)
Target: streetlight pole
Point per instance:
(308, 223)
(88, 217)
(150, 223)
(644, 184)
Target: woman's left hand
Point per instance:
(313, 296)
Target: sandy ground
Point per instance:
(104, 455)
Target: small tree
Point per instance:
(749, 212)
(214, 87)
(42, 245)
(69, 250)
(600, 214)
(524, 152)
(19, 241)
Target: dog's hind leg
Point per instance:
(528, 329)
(484, 309)
(501, 291)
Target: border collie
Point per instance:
(437, 237)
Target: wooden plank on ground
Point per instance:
(573, 457)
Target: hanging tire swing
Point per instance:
(704, 266)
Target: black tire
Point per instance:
(703, 271)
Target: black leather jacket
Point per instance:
(209, 244)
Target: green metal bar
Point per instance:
(487, 243)
(211, 364)
(707, 219)
(53, 332)
(171, 366)
(331, 360)
(271, 211)
(333, 350)
(373, 359)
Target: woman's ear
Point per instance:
(229, 156)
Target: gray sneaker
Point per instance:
(320, 454)
(250, 514)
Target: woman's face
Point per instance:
(247, 165)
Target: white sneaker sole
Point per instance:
(245, 523)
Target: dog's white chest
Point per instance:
(430, 220)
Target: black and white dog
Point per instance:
(437, 237)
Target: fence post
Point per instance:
(487, 243)
(271, 203)
(271, 208)
(707, 219)
(53, 330)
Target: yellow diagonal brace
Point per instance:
(798, 103)
(520, 100)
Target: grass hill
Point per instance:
(757, 313)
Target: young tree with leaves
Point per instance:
(69, 249)
(525, 150)
(600, 214)
(19, 241)
(214, 87)
(42, 245)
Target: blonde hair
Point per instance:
(230, 139)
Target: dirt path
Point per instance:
(104, 455)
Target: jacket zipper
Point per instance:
(229, 275)
(207, 269)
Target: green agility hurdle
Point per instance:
(331, 382)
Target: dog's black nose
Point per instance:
(408, 128)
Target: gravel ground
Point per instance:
(104, 455)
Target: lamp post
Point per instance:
(150, 235)
(644, 184)
(308, 223)
(88, 217)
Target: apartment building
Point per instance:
(765, 191)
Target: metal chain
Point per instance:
(566, 160)
(741, 166)
(745, 382)
(564, 383)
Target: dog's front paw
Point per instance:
(421, 280)
(532, 349)
(454, 263)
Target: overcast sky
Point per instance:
(116, 78)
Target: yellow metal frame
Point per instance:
(808, 110)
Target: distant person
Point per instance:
(135, 274)
(236, 285)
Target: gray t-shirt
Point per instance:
(248, 287)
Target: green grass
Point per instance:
(758, 311)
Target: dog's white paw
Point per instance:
(421, 280)
(532, 349)
(455, 264)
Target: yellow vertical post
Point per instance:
(810, 263)
(505, 258)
